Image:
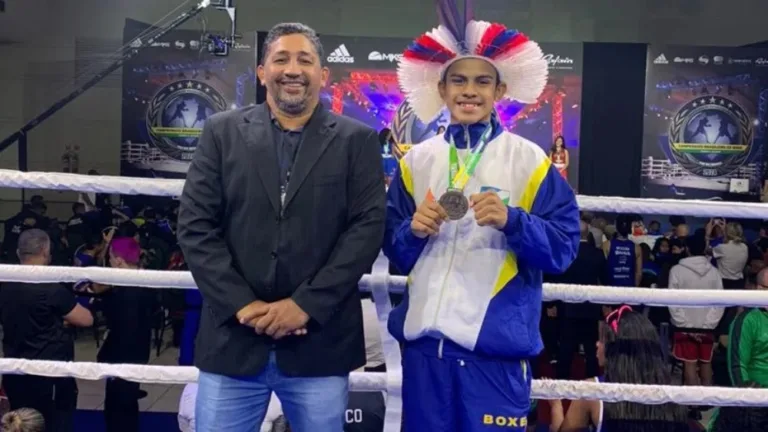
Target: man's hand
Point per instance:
(489, 209)
(427, 219)
(252, 311)
(283, 317)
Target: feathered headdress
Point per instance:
(518, 60)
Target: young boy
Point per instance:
(474, 218)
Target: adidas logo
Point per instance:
(661, 59)
(341, 55)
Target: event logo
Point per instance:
(180, 44)
(377, 56)
(718, 60)
(711, 136)
(740, 61)
(558, 62)
(176, 114)
(704, 60)
(341, 55)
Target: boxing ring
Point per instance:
(380, 284)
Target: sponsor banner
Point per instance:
(704, 128)
(364, 85)
(170, 89)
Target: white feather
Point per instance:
(419, 82)
(475, 31)
(445, 38)
(525, 72)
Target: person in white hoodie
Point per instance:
(694, 348)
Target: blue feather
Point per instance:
(469, 11)
(499, 42)
(428, 54)
(451, 19)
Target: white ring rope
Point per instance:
(375, 381)
(361, 381)
(563, 292)
(169, 187)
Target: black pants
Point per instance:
(575, 331)
(549, 328)
(733, 283)
(121, 406)
(54, 398)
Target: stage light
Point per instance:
(574, 106)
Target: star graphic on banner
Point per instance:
(722, 101)
(712, 100)
(199, 86)
(730, 105)
(189, 84)
(703, 102)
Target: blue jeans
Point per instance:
(239, 404)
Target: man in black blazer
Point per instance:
(282, 213)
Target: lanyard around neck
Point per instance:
(460, 173)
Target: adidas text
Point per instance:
(341, 55)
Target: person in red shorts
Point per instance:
(695, 347)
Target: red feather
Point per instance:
(511, 44)
(494, 30)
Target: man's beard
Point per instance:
(288, 103)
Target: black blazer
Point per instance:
(241, 247)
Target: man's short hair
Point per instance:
(697, 244)
(32, 243)
(126, 248)
(287, 29)
(583, 229)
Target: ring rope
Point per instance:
(361, 381)
(377, 381)
(173, 188)
(568, 293)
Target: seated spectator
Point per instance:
(34, 319)
(630, 351)
(748, 344)
(654, 228)
(23, 420)
(695, 348)
(731, 255)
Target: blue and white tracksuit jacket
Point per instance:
(473, 290)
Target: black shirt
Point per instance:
(287, 146)
(33, 324)
(129, 312)
(586, 269)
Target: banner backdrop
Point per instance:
(169, 89)
(364, 85)
(704, 129)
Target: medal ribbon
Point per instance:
(460, 173)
